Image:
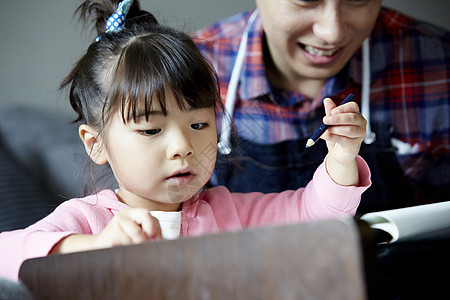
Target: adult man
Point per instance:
(294, 54)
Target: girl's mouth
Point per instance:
(181, 174)
(181, 177)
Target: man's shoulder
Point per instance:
(226, 29)
(393, 22)
(400, 41)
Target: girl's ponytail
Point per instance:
(100, 11)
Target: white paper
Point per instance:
(421, 222)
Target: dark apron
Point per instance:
(288, 165)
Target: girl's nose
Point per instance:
(330, 25)
(179, 146)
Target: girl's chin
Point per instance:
(181, 194)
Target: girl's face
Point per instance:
(164, 161)
(314, 39)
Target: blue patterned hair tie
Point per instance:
(117, 19)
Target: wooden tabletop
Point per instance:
(317, 260)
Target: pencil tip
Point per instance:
(309, 143)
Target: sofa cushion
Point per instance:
(23, 200)
(48, 146)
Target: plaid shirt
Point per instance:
(410, 86)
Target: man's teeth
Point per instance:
(318, 52)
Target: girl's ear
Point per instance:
(93, 144)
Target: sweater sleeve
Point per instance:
(321, 198)
(71, 217)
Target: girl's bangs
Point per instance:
(150, 73)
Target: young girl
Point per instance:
(147, 101)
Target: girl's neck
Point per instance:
(136, 201)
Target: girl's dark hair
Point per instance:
(129, 69)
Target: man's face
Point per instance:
(315, 39)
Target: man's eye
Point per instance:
(357, 2)
(199, 126)
(307, 1)
(151, 131)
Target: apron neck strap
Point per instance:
(365, 91)
(224, 145)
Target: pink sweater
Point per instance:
(211, 211)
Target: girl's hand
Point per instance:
(344, 137)
(129, 226)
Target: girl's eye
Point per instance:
(199, 126)
(151, 131)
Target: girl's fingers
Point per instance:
(133, 231)
(350, 107)
(140, 226)
(353, 132)
(328, 105)
(348, 118)
(346, 132)
(151, 227)
(347, 114)
(344, 140)
(332, 109)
